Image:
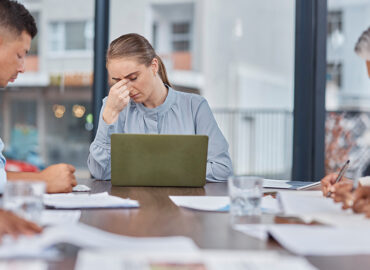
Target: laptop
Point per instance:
(158, 160)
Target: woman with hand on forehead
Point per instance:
(141, 101)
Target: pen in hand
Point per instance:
(340, 175)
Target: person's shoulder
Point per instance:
(189, 98)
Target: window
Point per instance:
(71, 36)
(155, 34)
(181, 37)
(35, 41)
(334, 75)
(347, 89)
(240, 57)
(173, 36)
(335, 21)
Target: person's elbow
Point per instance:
(96, 170)
(218, 172)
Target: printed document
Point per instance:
(81, 201)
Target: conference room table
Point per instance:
(158, 216)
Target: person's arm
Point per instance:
(219, 166)
(59, 178)
(98, 161)
(15, 226)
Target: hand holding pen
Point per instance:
(328, 182)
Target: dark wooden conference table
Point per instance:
(158, 216)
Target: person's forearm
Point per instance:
(26, 176)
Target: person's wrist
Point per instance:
(40, 176)
(110, 115)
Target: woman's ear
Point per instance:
(155, 66)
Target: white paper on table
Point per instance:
(220, 203)
(322, 240)
(85, 236)
(57, 217)
(308, 204)
(313, 206)
(24, 264)
(98, 200)
(211, 260)
(81, 188)
(259, 231)
(203, 203)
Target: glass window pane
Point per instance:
(46, 113)
(347, 88)
(239, 55)
(75, 36)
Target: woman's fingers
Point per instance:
(120, 84)
(358, 206)
(327, 182)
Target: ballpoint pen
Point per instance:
(340, 175)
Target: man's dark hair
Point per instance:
(16, 18)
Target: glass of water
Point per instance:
(25, 199)
(245, 194)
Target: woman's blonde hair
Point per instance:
(136, 46)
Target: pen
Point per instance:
(340, 175)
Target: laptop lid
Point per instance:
(158, 160)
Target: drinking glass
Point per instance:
(245, 194)
(25, 199)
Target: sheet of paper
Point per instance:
(85, 236)
(203, 203)
(202, 260)
(322, 240)
(259, 231)
(313, 206)
(81, 188)
(76, 201)
(220, 203)
(287, 184)
(57, 217)
(24, 264)
(306, 204)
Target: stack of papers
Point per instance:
(87, 237)
(207, 260)
(313, 206)
(80, 201)
(321, 240)
(220, 203)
